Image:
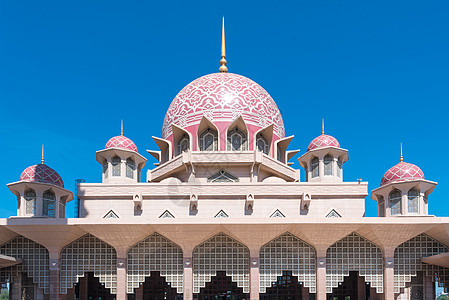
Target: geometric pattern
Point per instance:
(278, 214)
(35, 261)
(123, 142)
(154, 253)
(407, 261)
(220, 253)
(322, 141)
(166, 214)
(223, 97)
(42, 173)
(111, 214)
(402, 172)
(223, 176)
(88, 254)
(354, 253)
(287, 253)
(221, 214)
(333, 214)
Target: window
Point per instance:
(62, 203)
(105, 169)
(116, 168)
(280, 155)
(395, 202)
(30, 202)
(48, 204)
(339, 168)
(223, 176)
(315, 166)
(328, 165)
(183, 144)
(208, 140)
(129, 168)
(262, 144)
(413, 201)
(381, 206)
(236, 140)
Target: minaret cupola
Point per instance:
(121, 160)
(323, 161)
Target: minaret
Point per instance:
(223, 68)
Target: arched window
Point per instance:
(30, 202)
(315, 165)
(236, 140)
(208, 140)
(116, 168)
(105, 169)
(328, 165)
(395, 202)
(62, 203)
(48, 204)
(129, 168)
(280, 155)
(183, 144)
(262, 144)
(413, 201)
(381, 206)
(339, 168)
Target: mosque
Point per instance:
(223, 215)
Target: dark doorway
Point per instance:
(90, 288)
(349, 288)
(221, 287)
(286, 287)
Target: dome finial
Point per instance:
(322, 126)
(42, 159)
(121, 127)
(223, 68)
(402, 158)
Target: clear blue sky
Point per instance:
(377, 71)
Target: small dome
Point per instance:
(42, 173)
(222, 97)
(402, 172)
(322, 141)
(122, 142)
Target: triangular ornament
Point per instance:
(221, 214)
(111, 214)
(277, 214)
(166, 214)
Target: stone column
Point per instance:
(84, 289)
(389, 275)
(139, 292)
(188, 276)
(404, 203)
(254, 274)
(16, 287)
(360, 287)
(54, 276)
(321, 276)
(321, 168)
(121, 278)
(429, 287)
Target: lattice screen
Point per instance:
(220, 253)
(407, 261)
(354, 253)
(88, 254)
(287, 253)
(155, 253)
(35, 261)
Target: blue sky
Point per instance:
(377, 71)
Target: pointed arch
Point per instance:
(344, 256)
(182, 140)
(35, 261)
(154, 253)
(299, 257)
(203, 127)
(264, 136)
(220, 253)
(237, 135)
(88, 254)
(407, 261)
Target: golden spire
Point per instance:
(223, 68)
(42, 159)
(402, 158)
(121, 127)
(322, 126)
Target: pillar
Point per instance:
(321, 277)
(84, 289)
(121, 279)
(54, 274)
(16, 287)
(361, 287)
(389, 276)
(139, 292)
(429, 287)
(254, 274)
(188, 276)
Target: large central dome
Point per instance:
(223, 97)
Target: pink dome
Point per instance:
(222, 97)
(402, 172)
(123, 142)
(323, 141)
(41, 173)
